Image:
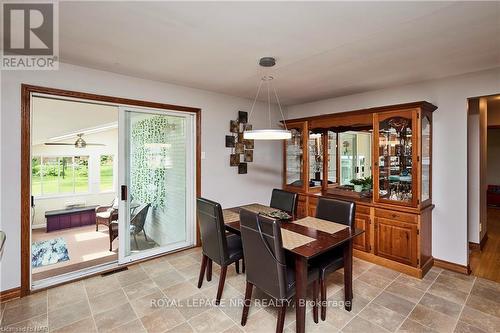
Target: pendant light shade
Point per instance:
(269, 133)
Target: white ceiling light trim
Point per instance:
(268, 133)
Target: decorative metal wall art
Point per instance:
(241, 149)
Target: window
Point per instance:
(106, 173)
(59, 175)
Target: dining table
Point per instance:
(305, 239)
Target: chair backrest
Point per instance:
(139, 219)
(286, 201)
(212, 230)
(265, 261)
(338, 211)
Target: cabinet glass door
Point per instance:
(332, 157)
(294, 159)
(395, 158)
(426, 158)
(315, 159)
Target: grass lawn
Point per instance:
(51, 186)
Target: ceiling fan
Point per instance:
(79, 143)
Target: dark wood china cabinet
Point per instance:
(390, 149)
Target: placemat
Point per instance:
(322, 225)
(230, 216)
(291, 239)
(258, 208)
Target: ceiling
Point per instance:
(323, 49)
(53, 117)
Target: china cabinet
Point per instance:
(389, 150)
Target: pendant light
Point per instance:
(267, 133)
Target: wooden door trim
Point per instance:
(26, 91)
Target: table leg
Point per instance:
(300, 293)
(348, 275)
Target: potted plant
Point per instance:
(358, 184)
(368, 183)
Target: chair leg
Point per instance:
(204, 260)
(315, 300)
(323, 297)
(237, 266)
(145, 237)
(281, 318)
(136, 244)
(222, 279)
(246, 305)
(209, 270)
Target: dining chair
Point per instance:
(285, 201)
(338, 211)
(217, 246)
(266, 265)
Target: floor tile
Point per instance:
(455, 283)
(168, 279)
(382, 316)
(134, 326)
(374, 279)
(107, 301)
(395, 303)
(182, 328)
(100, 285)
(486, 291)
(358, 302)
(421, 284)
(260, 321)
(34, 324)
(117, 316)
(194, 305)
(213, 320)
(409, 293)
(156, 266)
(411, 326)
(359, 324)
(149, 303)
(366, 290)
(433, 319)
(484, 305)
(66, 294)
(84, 325)
(385, 272)
(466, 328)
(162, 319)
(441, 305)
(480, 320)
(338, 317)
(68, 314)
(140, 289)
(131, 276)
(21, 310)
(448, 293)
(234, 329)
(180, 291)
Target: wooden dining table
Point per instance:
(315, 237)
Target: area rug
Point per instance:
(49, 252)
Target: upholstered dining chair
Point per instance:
(106, 214)
(337, 211)
(267, 267)
(285, 201)
(218, 247)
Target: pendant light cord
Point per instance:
(279, 106)
(255, 99)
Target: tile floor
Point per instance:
(384, 301)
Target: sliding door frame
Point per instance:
(26, 93)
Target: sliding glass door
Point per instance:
(157, 178)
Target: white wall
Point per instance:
(449, 232)
(220, 182)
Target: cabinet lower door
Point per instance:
(362, 242)
(396, 240)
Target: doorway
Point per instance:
(484, 186)
(98, 189)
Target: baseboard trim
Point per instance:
(474, 246)
(483, 241)
(464, 269)
(9, 294)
